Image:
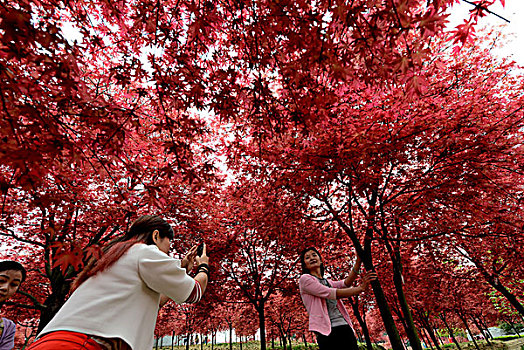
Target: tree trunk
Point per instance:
(262, 324)
(385, 312)
(230, 337)
(425, 339)
(429, 329)
(514, 328)
(172, 340)
(365, 255)
(463, 318)
(450, 330)
(283, 339)
(361, 322)
(406, 311)
(486, 327)
(481, 329)
(305, 340)
(495, 283)
(57, 298)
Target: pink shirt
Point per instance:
(313, 294)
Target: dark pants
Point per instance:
(340, 338)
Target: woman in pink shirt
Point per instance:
(328, 317)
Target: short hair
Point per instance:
(303, 262)
(13, 265)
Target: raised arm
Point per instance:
(352, 291)
(353, 274)
(201, 278)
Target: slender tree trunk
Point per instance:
(262, 324)
(495, 283)
(231, 337)
(385, 312)
(365, 255)
(424, 337)
(305, 340)
(156, 343)
(57, 298)
(359, 336)
(450, 330)
(463, 318)
(361, 322)
(486, 327)
(429, 329)
(380, 298)
(283, 339)
(406, 311)
(481, 329)
(514, 328)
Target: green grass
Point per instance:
(255, 345)
(245, 346)
(508, 337)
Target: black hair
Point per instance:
(13, 265)
(143, 228)
(141, 231)
(303, 262)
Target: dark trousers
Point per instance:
(340, 338)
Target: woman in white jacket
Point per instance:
(116, 300)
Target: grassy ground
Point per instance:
(245, 346)
(517, 344)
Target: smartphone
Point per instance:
(200, 249)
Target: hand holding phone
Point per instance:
(200, 249)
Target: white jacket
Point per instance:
(122, 301)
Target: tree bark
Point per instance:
(450, 330)
(361, 322)
(305, 340)
(262, 324)
(230, 337)
(481, 329)
(385, 313)
(463, 318)
(411, 331)
(382, 304)
(365, 255)
(429, 329)
(59, 290)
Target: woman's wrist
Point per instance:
(203, 268)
